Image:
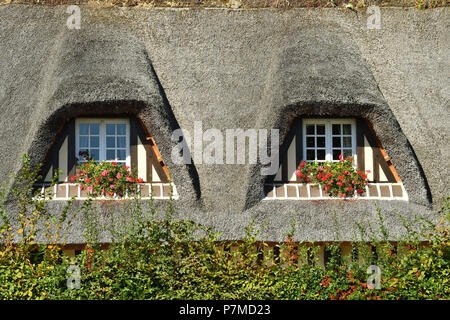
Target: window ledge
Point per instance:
(65, 191)
(309, 191)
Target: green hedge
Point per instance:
(161, 258)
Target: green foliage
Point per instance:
(159, 257)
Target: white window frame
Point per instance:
(328, 137)
(102, 137)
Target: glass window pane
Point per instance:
(347, 128)
(84, 128)
(321, 142)
(347, 153)
(110, 154)
(110, 129)
(321, 154)
(83, 142)
(310, 141)
(110, 142)
(321, 129)
(94, 142)
(121, 129)
(94, 128)
(336, 129)
(336, 154)
(347, 142)
(310, 155)
(121, 142)
(121, 155)
(310, 129)
(94, 153)
(336, 142)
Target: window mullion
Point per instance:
(328, 141)
(102, 140)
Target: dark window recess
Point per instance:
(276, 254)
(260, 256)
(331, 252)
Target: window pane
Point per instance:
(321, 154)
(336, 129)
(110, 142)
(110, 129)
(336, 142)
(121, 155)
(310, 155)
(83, 142)
(347, 129)
(321, 142)
(94, 153)
(321, 129)
(121, 143)
(347, 153)
(121, 129)
(310, 141)
(347, 142)
(110, 154)
(310, 129)
(94, 128)
(84, 128)
(94, 142)
(336, 154)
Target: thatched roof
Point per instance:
(236, 69)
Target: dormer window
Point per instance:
(320, 140)
(122, 140)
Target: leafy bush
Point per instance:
(158, 257)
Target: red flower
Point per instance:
(299, 174)
(302, 164)
(87, 180)
(359, 191)
(341, 177)
(341, 157)
(114, 163)
(73, 178)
